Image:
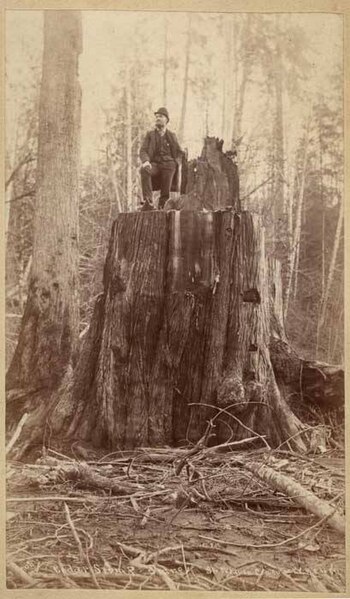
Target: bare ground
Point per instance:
(212, 526)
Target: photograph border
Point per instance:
(341, 7)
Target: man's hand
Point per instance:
(147, 165)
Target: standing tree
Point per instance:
(186, 79)
(20, 201)
(318, 243)
(165, 61)
(49, 329)
(246, 50)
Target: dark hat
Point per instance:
(163, 111)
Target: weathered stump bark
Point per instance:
(182, 328)
(189, 329)
(212, 181)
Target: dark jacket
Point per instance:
(149, 148)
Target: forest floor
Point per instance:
(163, 522)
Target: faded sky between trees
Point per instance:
(110, 41)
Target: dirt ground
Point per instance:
(212, 526)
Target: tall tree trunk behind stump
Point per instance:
(49, 329)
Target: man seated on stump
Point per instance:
(161, 157)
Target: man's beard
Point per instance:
(160, 126)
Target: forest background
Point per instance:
(270, 85)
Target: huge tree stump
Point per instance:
(182, 328)
(189, 329)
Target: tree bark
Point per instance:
(241, 93)
(128, 131)
(49, 329)
(189, 328)
(181, 330)
(297, 229)
(211, 181)
(329, 282)
(181, 128)
(165, 61)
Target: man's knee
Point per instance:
(145, 171)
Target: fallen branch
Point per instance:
(141, 560)
(87, 477)
(82, 554)
(197, 448)
(20, 573)
(277, 569)
(28, 158)
(256, 188)
(17, 433)
(268, 545)
(21, 196)
(299, 494)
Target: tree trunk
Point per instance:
(128, 131)
(181, 128)
(183, 320)
(189, 328)
(181, 331)
(165, 61)
(49, 330)
(281, 241)
(111, 168)
(324, 300)
(12, 130)
(234, 88)
(297, 229)
(241, 93)
(226, 73)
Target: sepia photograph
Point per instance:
(174, 301)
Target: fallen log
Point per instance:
(299, 494)
(305, 381)
(308, 381)
(83, 475)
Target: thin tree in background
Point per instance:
(165, 61)
(234, 84)
(297, 228)
(186, 81)
(12, 154)
(128, 126)
(112, 174)
(246, 60)
(329, 282)
(225, 32)
(281, 241)
(49, 330)
(278, 124)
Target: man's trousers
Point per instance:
(164, 174)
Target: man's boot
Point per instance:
(147, 206)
